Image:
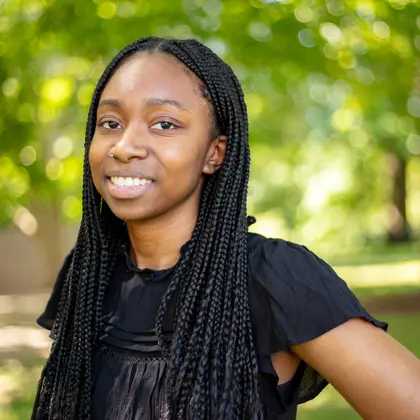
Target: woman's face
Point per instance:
(154, 121)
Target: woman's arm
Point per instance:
(377, 375)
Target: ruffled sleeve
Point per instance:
(295, 297)
(47, 318)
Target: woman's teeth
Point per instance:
(129, 182)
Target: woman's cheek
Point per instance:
(183, 157)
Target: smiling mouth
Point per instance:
(126, 182)
(128, 187)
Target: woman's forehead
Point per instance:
(155, 75)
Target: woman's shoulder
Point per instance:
(262, 245)
(289, 275)
(295, 295)
(283, 260)
(283, 273)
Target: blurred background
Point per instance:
(333, 94)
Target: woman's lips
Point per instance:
(128, 187)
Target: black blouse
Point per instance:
(294, 297)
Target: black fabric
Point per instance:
(294, 297)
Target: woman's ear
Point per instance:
(215, 155)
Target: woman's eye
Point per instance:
(164, 125)
(110, 125)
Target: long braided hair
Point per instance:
(212, 363)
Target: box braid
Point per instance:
(212, 370)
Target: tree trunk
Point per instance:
(398, 227)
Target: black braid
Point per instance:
(212, 371)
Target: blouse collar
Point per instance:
(131, 266)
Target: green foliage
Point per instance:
(331, 88)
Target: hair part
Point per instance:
(212, 363)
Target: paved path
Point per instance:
(21, 337)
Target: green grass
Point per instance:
(379, 254)
(18, 384)
(405, 329)
(329, 405)
(385, 291)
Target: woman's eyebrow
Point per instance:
(171, 102)
(113, 102)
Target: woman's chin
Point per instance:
(130, 215)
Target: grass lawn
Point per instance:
(379, 292)
(18, 382)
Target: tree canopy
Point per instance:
(332, 88)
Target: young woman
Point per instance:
(167, 308)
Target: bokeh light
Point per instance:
(62, 147)
(25, 221)
(27, 155)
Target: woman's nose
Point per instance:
(131, 145)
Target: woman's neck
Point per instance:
(156, 243)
